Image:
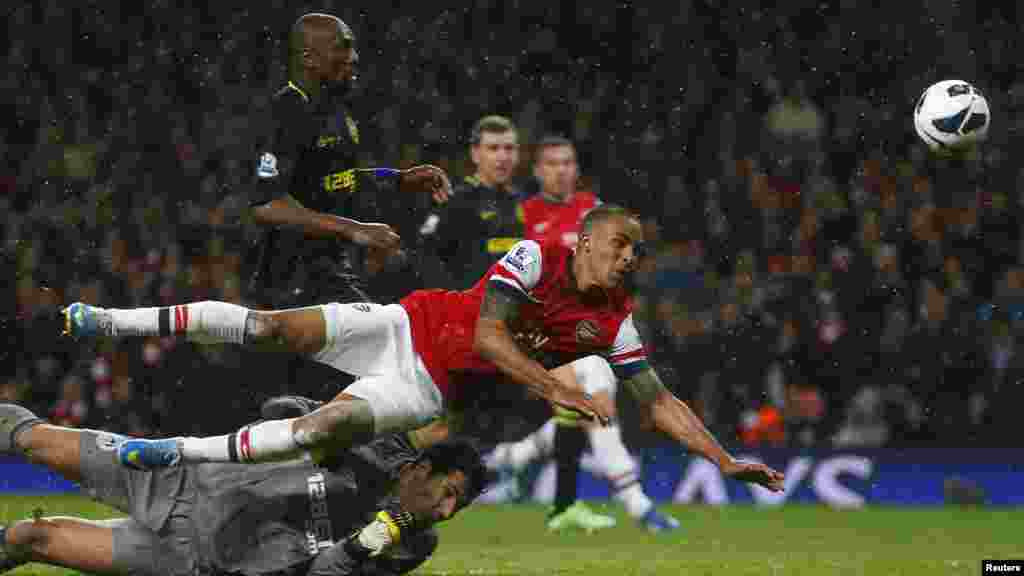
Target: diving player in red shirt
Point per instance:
(409, 357)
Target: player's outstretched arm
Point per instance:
(288, 212)
(272, 197)
(494, 341)
(671, 416)
(76, 543)
(424, 178)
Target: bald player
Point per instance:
(309, 187)
(308, 175)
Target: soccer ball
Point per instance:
(951, 116)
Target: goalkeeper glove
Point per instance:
(385, 530)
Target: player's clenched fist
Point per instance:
(430, 179)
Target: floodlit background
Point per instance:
(825, 294)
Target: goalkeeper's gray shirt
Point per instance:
(276, 518)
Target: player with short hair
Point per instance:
(482, 221)
(308, 172)
(468, 235)
(286, 518)
(555, 214)
(412, 358)
(310, 189)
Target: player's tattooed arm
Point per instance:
(667, 414)
(645, 386)
(673, 418)
(500, 303)
(495, 341)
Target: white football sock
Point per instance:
(206, 449)
(263, 442)
(634, 500)
(518, 455)
(207, 321)
(614, 462)
(134, 322)
(213, 321)
(610, 454)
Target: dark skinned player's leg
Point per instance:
(570, 443)
(493, 412)
(343, 421)
(501, 412)
(316, 380)
(297, 330)
(300, 331)
(392, 392)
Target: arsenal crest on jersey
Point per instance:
(587, 332)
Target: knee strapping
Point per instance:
(271, 330)
(349, 421)
(262, 328)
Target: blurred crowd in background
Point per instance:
(814, 278)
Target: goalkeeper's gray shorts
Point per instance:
(157, 539)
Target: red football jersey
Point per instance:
(546, 221)
(444, 322)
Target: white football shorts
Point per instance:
(373, 342)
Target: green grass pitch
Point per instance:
(792, 541)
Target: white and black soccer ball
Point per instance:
(951, 116)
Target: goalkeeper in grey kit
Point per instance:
(365, 511)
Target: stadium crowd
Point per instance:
(813, 278)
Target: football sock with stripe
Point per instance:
(614, 462)
(260, 442)
(208, 320)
